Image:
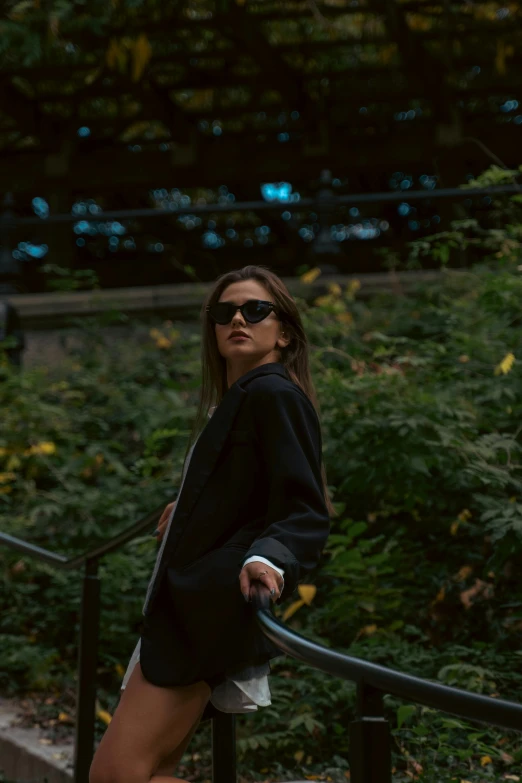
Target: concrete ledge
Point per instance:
(184, 301)
(24, 759)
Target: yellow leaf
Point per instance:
(311, 275)
(463, 573)
(105, 716)
(120, 671)
(485, 760)
(292, 609)
(352, 287)
(500, 58)
(64, 717)
(307, 593)
(321, 301)
(506, 364)
(335, 289)
(141, 54)
(5, 477)
(111, 56)
(440, 596)
(454, 527)
(367, 630)
(163, 342)
(39, 449)
(465, 514)
(344, 318)
(299, 755)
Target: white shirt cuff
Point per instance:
(260, 559)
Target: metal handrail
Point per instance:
(70, 564)
(473, 706)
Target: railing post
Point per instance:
(370, 743)
(87, 664)
(224, 748)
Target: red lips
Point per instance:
(237, 333)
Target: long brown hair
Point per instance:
(294, 356)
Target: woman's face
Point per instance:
(264, 338)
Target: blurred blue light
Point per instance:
(212, 240)
(35, 251)
(413, 224)
(354, 212)
(403, 209)
(286, 215)
(283, 137)
(248, 243)
(277, 191)
(80, 242)
(295, 115)
(40, 206)
(217, 131)
(84, 131)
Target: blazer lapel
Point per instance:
(213, 436)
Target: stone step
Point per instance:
(24, 758)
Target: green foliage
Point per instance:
(421, 404)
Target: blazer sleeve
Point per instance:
(297, 526)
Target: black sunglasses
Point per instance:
(253, 311)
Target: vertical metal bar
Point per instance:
(87, 664)
(224, 748)
(370, 743)
(9, 265)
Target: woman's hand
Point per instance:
(265, 574)
(162, 524)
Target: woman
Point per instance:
(253, 505)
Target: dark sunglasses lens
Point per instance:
(221, 312)
(255, 311)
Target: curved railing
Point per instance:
(370, 746)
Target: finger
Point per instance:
(166, 512)
(244, 583)
(270, 582)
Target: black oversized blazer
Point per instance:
(253, 487)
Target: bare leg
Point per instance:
(149, 725)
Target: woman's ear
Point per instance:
(283, 340)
